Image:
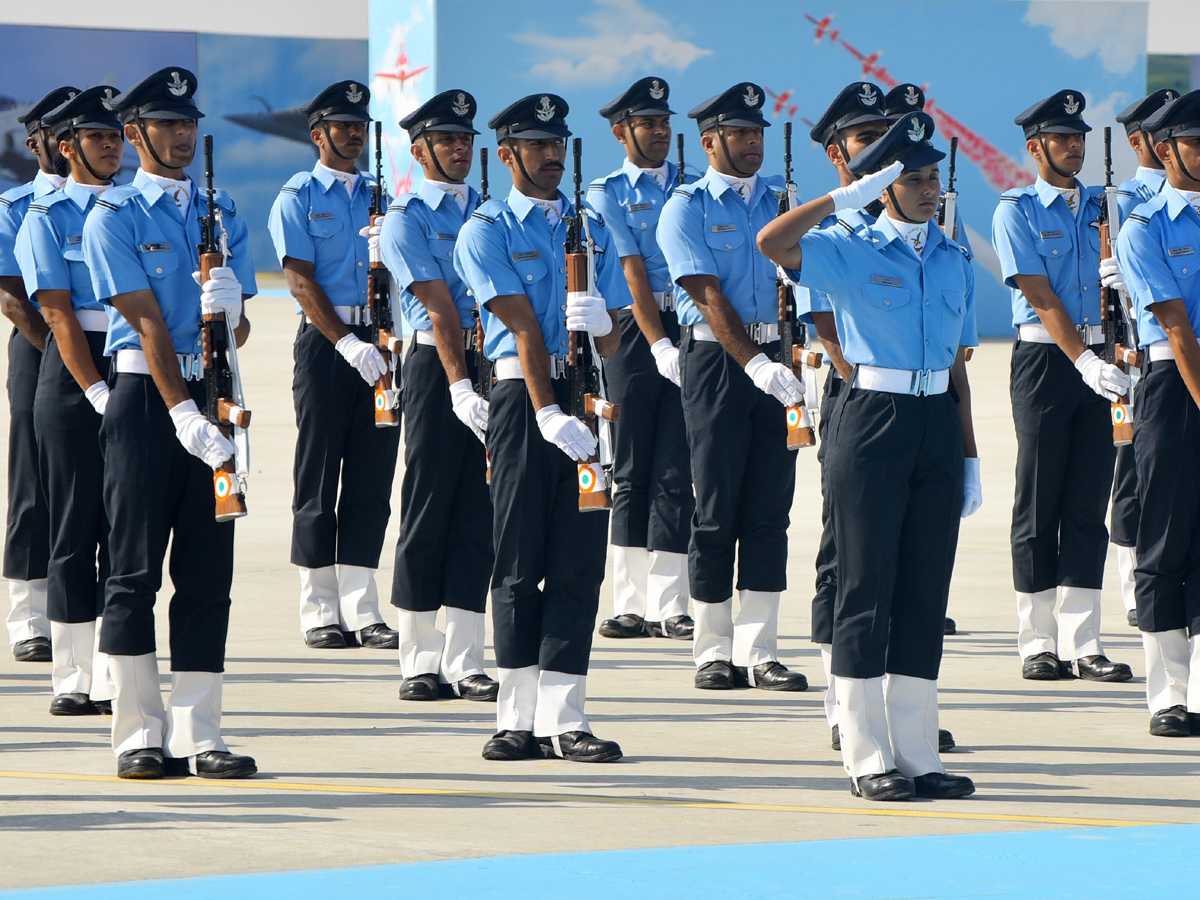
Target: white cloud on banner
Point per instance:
(624, 34)
(1094, 26)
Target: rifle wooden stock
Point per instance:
(230, 502)
(387, 412)
(800, 430)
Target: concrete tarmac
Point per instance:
(351, 776)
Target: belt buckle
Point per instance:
(187, 365)
(921, 379)
(754, 330)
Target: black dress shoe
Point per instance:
(580, 746)
(945, 741)
(1101, 668)
(379, 637)
(212, 764)
(891, 785)
(836, 734)
(940, 786)
(624, 626)
(419, 687)
(678, 628)
(328, 637)
(73, 704)
(1041, 667)
(33, 650)
(144, 763)
(949, 626)
(479, 687)
(103, 707)
(1131, 618)
(510, 745)
(351, 639)
(719, 675)
(1171, 722)
(774, 676)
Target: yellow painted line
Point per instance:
(592, 799)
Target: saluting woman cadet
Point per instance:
(71, 395)
(904, 298)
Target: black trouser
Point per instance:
(1126, 510)
(1167, 443)
(826, 595)
(154, 490)
(895, 476)
(444, 556)
(1065, 459)
(744, 474)
(549, 556)
(652, 491)
(27, 539)
(72, 470)
(338, 446)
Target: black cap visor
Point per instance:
(162, 111)
(859, 117)
(920, 157)
(630, 112)
(1071, 125)
(734, 120)
(87, 123)
(523, 132)
(441, 125)
(1183, 130)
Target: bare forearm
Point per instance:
(1187, 359)
(1052, 314)
(728, 329)
(23, 314)
(779, 240)
(162, 361)
(448, 335)
(607, 345)
(826, 326)
(313, 300)
(73, 345)
(645, 308)
(242, 333)
(535, 363)
(963, 386)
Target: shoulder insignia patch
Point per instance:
(1138, 218)
(101, 202)
(683, 192)
(1007, 199)
(483, 218)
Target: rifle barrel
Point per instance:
(679, 146)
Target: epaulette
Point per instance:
(599, 184)
(1126, 193)
(488, 212)
(5, 202)
(846, 225)
(100, 201)
(225, 202)
(297, 181)
(595, 215)
(483, 218)
(1138, 218)
(1005, 198)
(683, 191)
(16, 193)
(114, 197)
(401, 202)
(39, 207)
(963, 250)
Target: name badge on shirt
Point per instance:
(1050, 234)
(151, 248)
(442, 236)
(886, 280)
(1179, 251)
(325, 215)
(527, 255)
(75, 239)
(718, 229)
(637, 207)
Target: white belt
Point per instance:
(759, 332)
(92, 319)
(1160, 350)
(350, 315)
(903, 381)
(1036, 333)
(509, 368)
(426, 338)
(133, 362)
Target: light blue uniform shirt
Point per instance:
(507, 247)
(50, 245)
(1034, 233)
(314, 220)
(1159, 252)
(1135, 191)
(14, 204)
(137, 239)
(893, 309)
(631, 203)
(417, 242)
(707, 229)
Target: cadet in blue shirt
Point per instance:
(444, 556)
(1047, 238)
(139, 244)
(652, 482)
(27, 537)
(904, 297)
(72, 395)
(1144, 185)
(344, 463)
(549, 555)
(734, 390)
(1159, 253)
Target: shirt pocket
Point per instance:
(641, 218)
(724, 241)
(159, 263)
(324, 228)
(529, 271)
(886, 297)
(952, 318)
(1053, 248)
(73, 254)
(1183, 266)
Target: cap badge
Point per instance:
(71, 95)
(460, 107)
(916, 131)
(911, 97)
(176, 85)
(106, 100)
(868, 96)
(545, 109)
(354, 95)
(1170, 95)
(751, 98)
(1071, 106)
(656, 89)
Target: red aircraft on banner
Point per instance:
(781, 101)
(823, 28)
(401, 72)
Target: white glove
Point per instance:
(221, 293)
(1103, 378)
(588, 314)
(470, 408)
(866, 189)
(775, 379)
(566, 433)
(200, 437)
(1110, 274)
(666, 357)
(97, 395)
(371, 233)
(972, 486)
(364, 357)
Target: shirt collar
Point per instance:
(433, 195)
(885, 232)
(42, 185)
(1048, 193)
(1154, 179)
(521, 205)
(1175, 201)
(327, 179)
(633, 172)
(79, 195)
(152, 192)
(717, 185)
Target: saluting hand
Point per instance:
(666, 357)
(200, 437)
(471, 409)
(866, 189)
(566, 433)
(363, 356)
(775, 379)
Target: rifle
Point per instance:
(483, 365)
(587, 401)
(948, 214)
(679, 147)
(1116, 318)
(792, 333)
(379, 302)
(224, 404)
